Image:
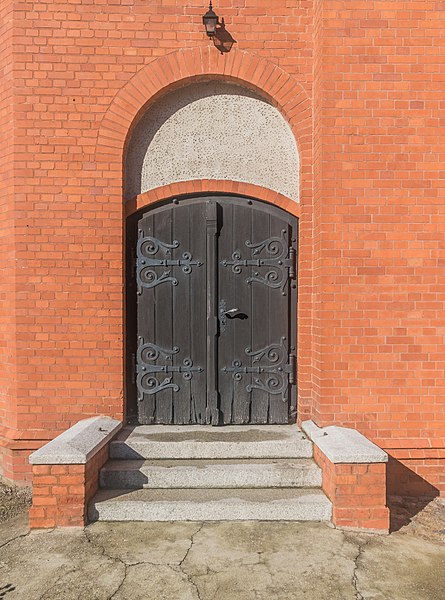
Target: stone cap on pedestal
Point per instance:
(344, 445)
(78, 444)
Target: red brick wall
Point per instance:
(382, 224)
(382, 221)
(357, 493)
(8, 414)
(361, 84)
(61, 492)
(417, 473)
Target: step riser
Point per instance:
(234, 476)
(209, 450)
(213, 511)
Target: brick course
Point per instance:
(361, 84)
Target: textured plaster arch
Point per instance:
(212, 130)
(181, 68)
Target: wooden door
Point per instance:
(216, 279)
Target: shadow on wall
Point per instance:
(407, 493)
(223, 40)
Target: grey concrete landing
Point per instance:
(217, 561)
(251, 473)
(206, 442)
(210, 505)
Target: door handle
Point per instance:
(235, 313)
(231, 313)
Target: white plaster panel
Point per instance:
(212, 130)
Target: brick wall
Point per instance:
(61, 492)
(361, 83)
(382, 223)
(357, 493)
(8, 414)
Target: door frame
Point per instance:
(130, 294)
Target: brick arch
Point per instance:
(199, 186)
(180, 68)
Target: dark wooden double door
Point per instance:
(216, 308)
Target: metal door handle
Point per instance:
(232, 313)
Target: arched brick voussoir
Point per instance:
(198, 186)
(180, 68)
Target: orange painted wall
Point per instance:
(361, 84)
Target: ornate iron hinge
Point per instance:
(280, 370)
(147, 381)
(146, 274)
(276, 253)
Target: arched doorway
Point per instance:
(214, 301)
(211, 302)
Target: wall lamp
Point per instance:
(217, 32)
(210, 20)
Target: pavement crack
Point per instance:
(356, 560)
(105, 553)
(99, 546)
(54, 583)
(122, 582)
(16, 537)
(192, 541)
(180, 564)
(193, 583)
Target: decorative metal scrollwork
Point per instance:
(277, 254)
(147, 381)
(280, 370)
(146, 274)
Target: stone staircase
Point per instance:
(200, 473)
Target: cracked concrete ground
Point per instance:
(217, 561)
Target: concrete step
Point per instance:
(251, 473)
(206, 442)
(210, 505)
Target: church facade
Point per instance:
(269, 200)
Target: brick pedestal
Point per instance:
(354, 476)
(61, 492)
(66, 473)
(357, 493)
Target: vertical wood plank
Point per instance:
(180, 316)
(278, 326)
(293, 318)
(197, 321)
(242, 327)
(146, 318)
(163, 305)
(260, 313)
(212, 412)
(227, 297)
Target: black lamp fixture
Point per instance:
(210, 20)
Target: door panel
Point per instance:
(170, 361)
(256, 275)
(260, 308)
(214, 313)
